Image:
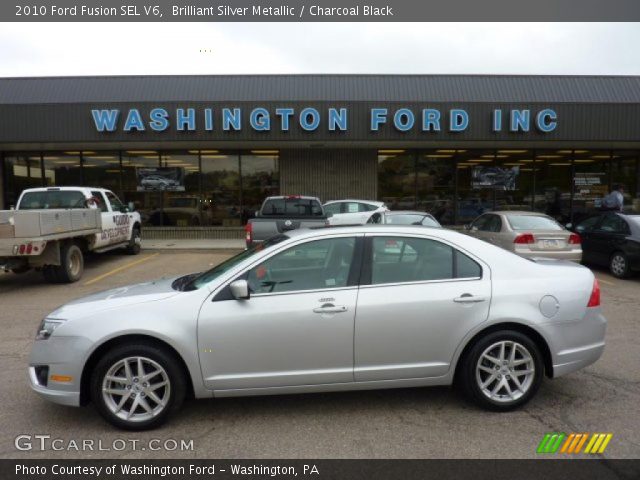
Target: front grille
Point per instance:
(42, 374)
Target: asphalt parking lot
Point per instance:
(408, 423)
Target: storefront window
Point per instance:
(435, 184)
(625, 171)
(590, 182)
(476, 174)
(182, 206)
(101, 169)
(397, 179)
(20, 171)
(554, 183)
(220, 188)
(148, 202)
(62, 169)
(260, 179)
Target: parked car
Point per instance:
(404, 217)
(352, 212)
(52, 228)
(329, 309)
(282, 214)
(612, 240)
(158, 181)
(528, 234)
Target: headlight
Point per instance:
(47, 326)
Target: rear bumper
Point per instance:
(571, 255)
(575, 345)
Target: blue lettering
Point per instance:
(497, 120)
(208, 119)
(337, 119)
(159, 121)
(458, 120)
(186, 121)
(304, 119)
(520, 121)
(546, 120)
(378, 117)
(403, 119)
(259, 119)
(105, 119)
(430, 120)
(231, 119)
(134, 121)
(284, 114)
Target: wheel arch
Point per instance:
(121, 340)
(535, 336)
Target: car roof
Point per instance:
(372, 202)
(64, 189)
(407, 212)
(519, 212)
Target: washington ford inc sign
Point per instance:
(312, 119)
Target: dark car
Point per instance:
(611, 239)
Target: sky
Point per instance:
(53, 49)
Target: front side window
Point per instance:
(494, 224)
(315, 265)
(481, 223)
(116, 204)
(400, 259)
(332, 208)
(98, 199)
(588, 224)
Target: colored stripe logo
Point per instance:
(573, 443)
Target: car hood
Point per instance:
(116, 298)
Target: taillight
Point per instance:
(248, 233)
(22, 249)
(574, 239)
(594, 299)
(29, 249)
(524, 238)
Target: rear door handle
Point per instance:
(467, 298)
(330, 309)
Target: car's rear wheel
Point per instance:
(71, 265)
(619, 265)
(136, 387)
(502, 371)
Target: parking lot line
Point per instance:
(606, 282)
(121, 268)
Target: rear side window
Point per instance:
(52, 199)
(399, 259)
(367, 207)
(291, 206)
(99, 200)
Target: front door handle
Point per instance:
(329, 308)
(468, 298)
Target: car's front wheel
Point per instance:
(619, 265)
(502, 371)
(136, 387)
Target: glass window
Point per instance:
(221, 189)
(333, 208)
(367, 207)
(291, 206)
(101, 169)
(397, 179)
(466, 267)
(430, 222)
(116, 204)
(494, 223)
(147, 203)
(532, 222)
(588, 224)
(399, 259)
(405, 219)
(553, 183)
(614, 224)
(21, 171)
(315, 265)
(52, 199)
(353, 207)
(62, 169)
(435, 179)
(260, 179)
(481, 223)
(99, 201)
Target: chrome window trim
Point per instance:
(421, 282)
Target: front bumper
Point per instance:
(575, 345)
(65, 358)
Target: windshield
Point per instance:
(411, 219)
(532, 222)
(228, 264)
(52, 199)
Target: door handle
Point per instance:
(468, 298)
(330, 309)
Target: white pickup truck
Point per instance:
(51, 229)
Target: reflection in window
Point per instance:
(260, 179)
(21, 171)
(62, 169)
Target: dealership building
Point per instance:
(453, 145)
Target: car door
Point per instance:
(118, 220)
(586, 229)
(334, 209)
(418, 298)
(297, 326)
(608, 236)
(99, 201)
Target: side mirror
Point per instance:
(132, 207)
(124, 209)
(240, 289)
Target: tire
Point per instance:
(72, 264)
(619, 265)
(477, 369)
(171, 395)
(21, 270)
(135, 242)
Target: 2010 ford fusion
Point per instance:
(324, 310)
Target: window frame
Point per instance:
(367, 261)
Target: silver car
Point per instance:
(325, 310)
(528, 234)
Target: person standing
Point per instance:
(615, 200)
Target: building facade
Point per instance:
(453, 145)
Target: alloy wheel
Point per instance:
(618, 265)
(505, 371)
(136, 389)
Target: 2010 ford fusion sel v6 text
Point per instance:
(376, 306)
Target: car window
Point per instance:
(332, 208)
(366, 207)
(292, 206)
(494, 224)
(430, 222)
(351, 207)
(481, 222)
(375, 218)
(614, 224)
(51, 199)
(532, 222)
(99, 200)
(116, 204)
(405, 219)
(588, 224)
(315, 265)
(400, 259)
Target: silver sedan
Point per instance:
(529, 234)
(325, 310)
